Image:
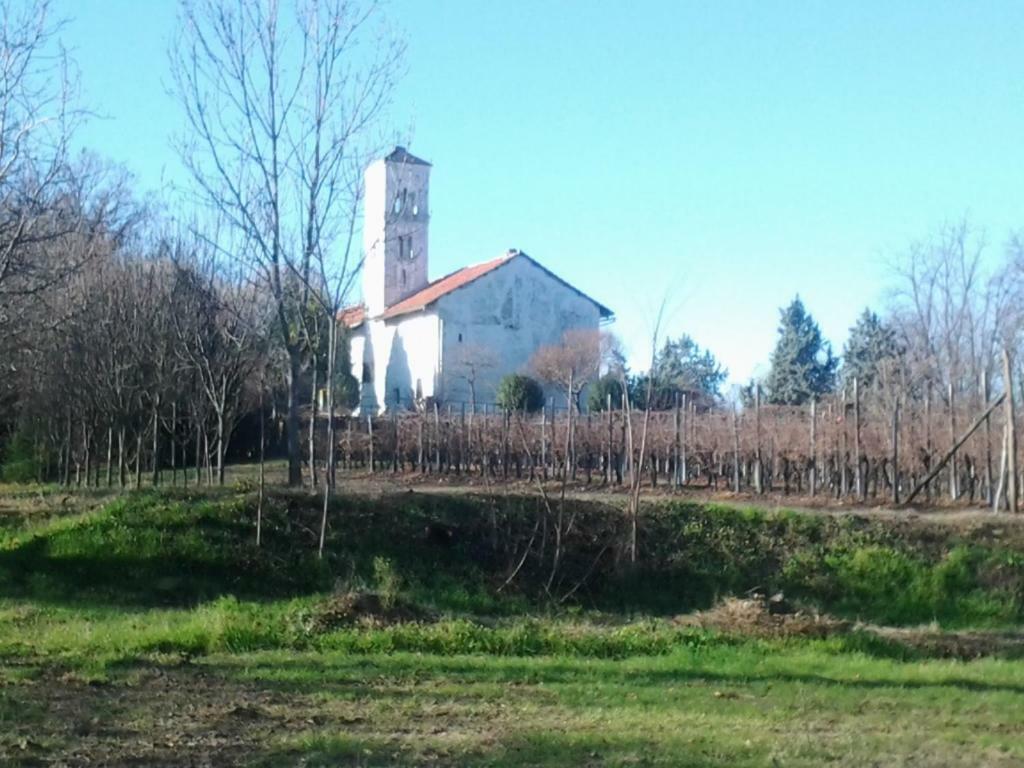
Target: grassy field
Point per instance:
(149, 630)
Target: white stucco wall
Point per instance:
(503, 318)
(402, 357)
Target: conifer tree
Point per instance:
(871, 341)
(803, 366)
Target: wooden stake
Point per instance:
(814, 449)
(858, 474)
(895, 453)
(1011, 432)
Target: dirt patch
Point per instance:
(155, 716)
(760, 616)
(964, 645)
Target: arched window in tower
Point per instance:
(403, 278)
(401, 248)
(414, 209)
(409, 249)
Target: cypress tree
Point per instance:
(803, 366)
(871, 341)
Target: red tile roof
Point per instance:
(352, 317)
(435, 290)
(355, 316)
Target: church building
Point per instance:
(454, 338)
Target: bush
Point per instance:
(517, 392)
(597, 397)
(21, 463)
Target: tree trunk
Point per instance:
(110, 456)
(262, 486)
(138, 459)
(313, 479)
(292, 422)
(156, 443)
(329, 469)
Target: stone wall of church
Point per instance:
(494, 325)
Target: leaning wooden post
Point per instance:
(1011, 432)
(895, 452)
(997, 499)
(949, 454)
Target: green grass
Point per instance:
(151, 629)
(744, 704)
(723, 705)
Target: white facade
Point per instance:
(493, 325)
(455, 338)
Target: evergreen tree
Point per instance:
(871, 341)
(517, 392)
(803, 366)
(682, 367)
(597, 393)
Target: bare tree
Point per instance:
(279, 105)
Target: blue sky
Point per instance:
(722, 155)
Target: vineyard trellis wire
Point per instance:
(843, 446)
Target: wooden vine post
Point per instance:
(736, 450)
(954, 491)
(1011, 432)
(895, 452)
(988, 439)
(859, 474)
(758, 459)
(813, 480)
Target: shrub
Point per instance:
(517, 392)
(389, 583)
(21, 462)
(597, 395)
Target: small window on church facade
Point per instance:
(367, 373)
(413, 208)
(401, 247)
(403, 278)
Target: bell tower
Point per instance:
(396, 219)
